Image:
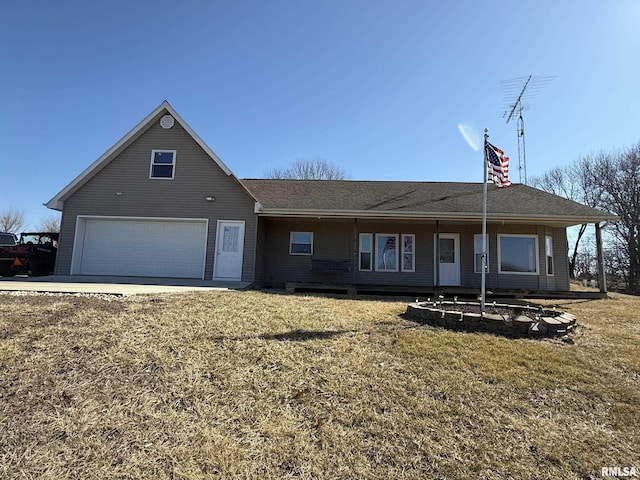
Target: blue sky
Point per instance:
(377, 87)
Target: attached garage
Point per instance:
(140, 247)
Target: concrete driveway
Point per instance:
(113, 285)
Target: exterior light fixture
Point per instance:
(210, 198)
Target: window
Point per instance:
(408, 253)
(447, 250)
(230, 238)
(518, 254)
(163, 163)
(301, 243)
(386, 252)
(7, 239)
(548, 246)
(366, 250)
(477, 253)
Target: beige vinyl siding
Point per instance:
(261, 252)
(560, 259)
(338, 240)
(332, 240)
(196, 177)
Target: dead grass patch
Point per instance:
(257, 385)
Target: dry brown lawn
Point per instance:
(261, 385)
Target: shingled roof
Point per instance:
(420, 200)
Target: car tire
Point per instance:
(7, 271)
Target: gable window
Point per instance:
(163, 164)
(518, 254)
(386, 252)
(548, 246)
(366, 251)
(408, 253)
(477, 253)
(301, 243)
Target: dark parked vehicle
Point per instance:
(34, 254)
(6, 261)
(8, 239)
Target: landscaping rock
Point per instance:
(501, 318)
(521, 324)
(453, 319)
(472, 321)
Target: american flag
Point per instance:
(497, 165)
(390, 245)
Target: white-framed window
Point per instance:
(386, 252)
(163, 164)
(548, 247)
(408, 253)
(518, 254)
(477, 253)
(366, 252)
(301, 243)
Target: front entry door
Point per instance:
(229, 250)
(449, 261)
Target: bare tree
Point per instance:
(49, 224)
(616, 178)
(558, 181)
(318, 169)
(616, 268)
(573, 182)
(11, 220)
(610, 181)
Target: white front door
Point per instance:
(229, 250)
(449, 259)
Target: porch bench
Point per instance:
(322, 265)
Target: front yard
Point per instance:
(259, 385)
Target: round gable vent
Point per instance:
(167, 121)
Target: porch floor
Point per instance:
(353, 290)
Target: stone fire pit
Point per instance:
(501, 318)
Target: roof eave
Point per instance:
(54, 205)
(560, 220)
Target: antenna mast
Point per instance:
(514, 91)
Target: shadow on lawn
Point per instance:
(304, 335)
(293, 335)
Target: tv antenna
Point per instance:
(514, 92)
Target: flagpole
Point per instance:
(484, 221)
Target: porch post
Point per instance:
(437, 259)
(356, 249)
(602, 278)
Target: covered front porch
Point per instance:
(414, 256)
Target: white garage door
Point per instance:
(146, 248)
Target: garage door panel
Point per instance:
(144, 248)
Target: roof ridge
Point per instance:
(361, 181)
